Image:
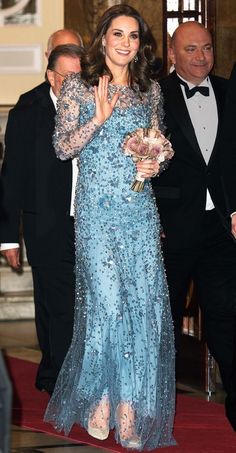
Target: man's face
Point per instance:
(65, 65)
(192, 52)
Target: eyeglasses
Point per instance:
(60, 74)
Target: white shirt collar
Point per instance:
(53, 97)
(204, 83)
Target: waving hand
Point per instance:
(104, 107)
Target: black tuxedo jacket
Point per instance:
(229, 141)
(34, 185)
(181, 189)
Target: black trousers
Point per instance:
(54, 297)
(212, 267)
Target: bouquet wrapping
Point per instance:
(147, 143)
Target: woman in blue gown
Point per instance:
(119, 371)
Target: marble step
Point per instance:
(12, 281)
(15, 305)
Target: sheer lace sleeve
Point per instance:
(70, 136)
(157, 101)
(157, 118)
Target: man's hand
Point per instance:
(233, 225)
(13, 257)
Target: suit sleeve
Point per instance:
(228, 143)
(11, 181)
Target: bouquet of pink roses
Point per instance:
(147, 143)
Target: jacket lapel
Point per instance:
(220, 97)
(175, 104)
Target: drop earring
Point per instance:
(136, 58)
(103, 47)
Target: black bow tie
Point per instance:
(191, 91)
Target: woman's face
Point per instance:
(121, 41)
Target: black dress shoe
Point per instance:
(230, 411)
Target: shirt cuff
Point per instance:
(9, 245)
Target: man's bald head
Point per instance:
(188, 27)
(191, 51)
(61, 37)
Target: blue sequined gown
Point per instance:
(122, 348)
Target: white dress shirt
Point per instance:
(204, 117)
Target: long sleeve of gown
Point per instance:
(157, 109)
(157, 116)
(70, 136)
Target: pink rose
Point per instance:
(143, 149)
(156, 150)
(132, 143)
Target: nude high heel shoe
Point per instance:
(126, 420)
(98, 423)
(134, 443)
(98, 433)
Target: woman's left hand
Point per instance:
(148, 168)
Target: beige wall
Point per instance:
(52, 18)
(225, 36)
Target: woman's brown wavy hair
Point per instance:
(141, 72)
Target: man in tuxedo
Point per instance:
(229, 171)
(36, 188)
(191, 198)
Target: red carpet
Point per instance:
(200, 427)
